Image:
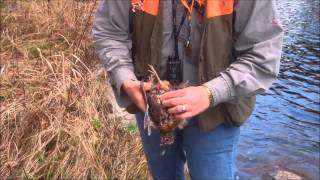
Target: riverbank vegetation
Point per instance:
(57, 119)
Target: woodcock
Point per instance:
(157, 116)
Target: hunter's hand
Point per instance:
(186, 103)
(132, 88)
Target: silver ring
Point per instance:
(184, 108)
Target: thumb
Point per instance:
(147, 86)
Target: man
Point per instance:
(227, 50)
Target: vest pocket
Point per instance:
(237, 114)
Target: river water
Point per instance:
(283, 133)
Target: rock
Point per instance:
(285, 175)
(118, 111)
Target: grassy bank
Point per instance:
(57, 120)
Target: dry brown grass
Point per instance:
(56, 117)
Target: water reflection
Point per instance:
(284, 131)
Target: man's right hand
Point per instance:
(132, 88)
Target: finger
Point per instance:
(138, 100)
(147, 86)
(172, 94)
(141, 105)
(173, 102)
(183, 116)
(176, 110)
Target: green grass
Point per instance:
(33, 50)
(49, 175)
(40, 156)
(95, 123)
(132, 128)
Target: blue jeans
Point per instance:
(209, 155)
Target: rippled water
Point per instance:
(284, 131)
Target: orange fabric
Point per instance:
(149, 6)
(213, 7)
(219, 7)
